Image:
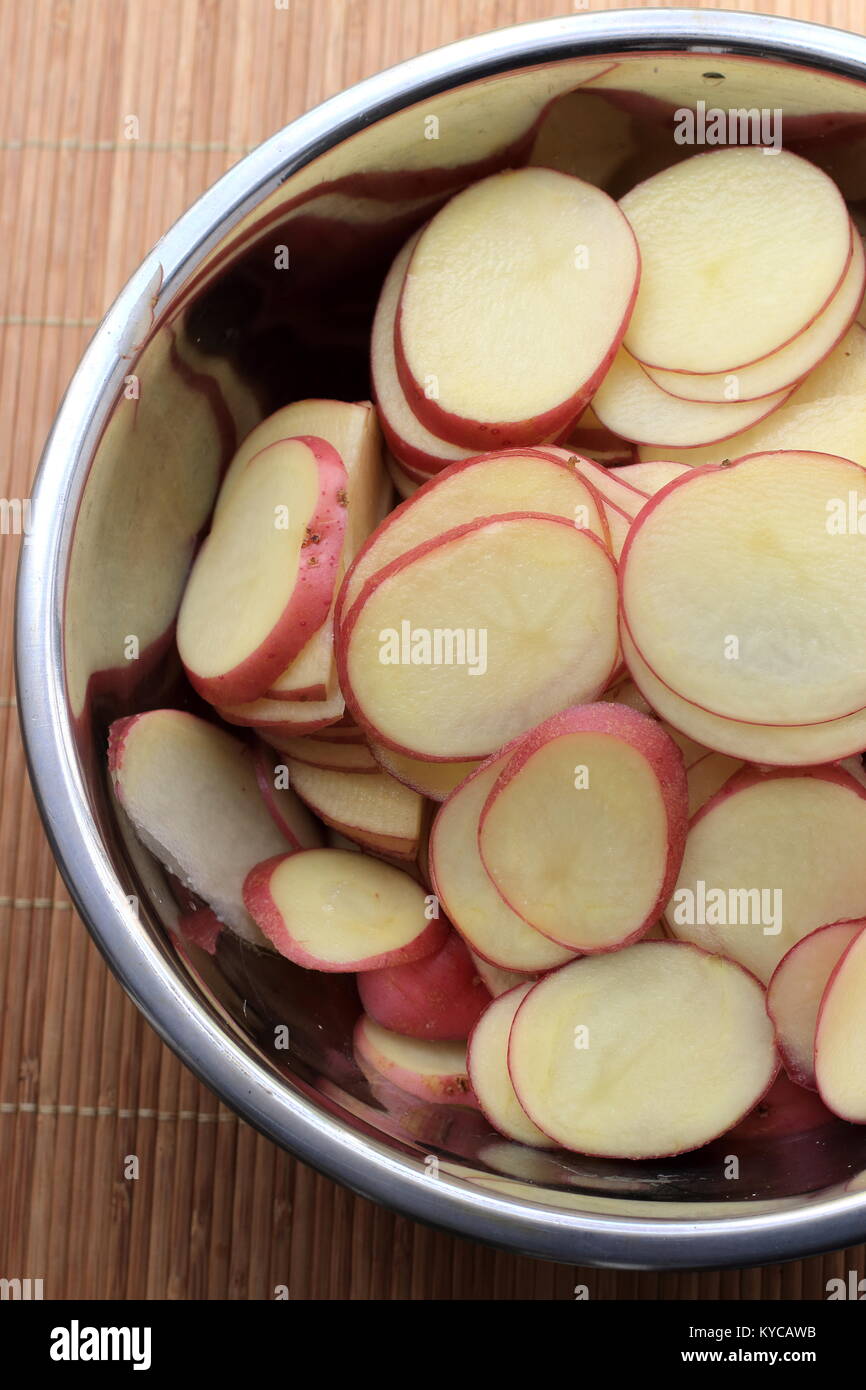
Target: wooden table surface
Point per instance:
(217, 1211)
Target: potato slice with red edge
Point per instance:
(515, 480)
(189, 790)
(370, 807)
(631, 404)
(470, 639)
(755, 252)
(625, 496)
(463, 887)
(790, 364)
(795, 991)
(751, 884)
(351, 429)
(431, 1071)
(642, 1053)
(790, 746)
(434, 780)
(332, 910)
(413, 445)
(767, 557)
(287, 811)
(291, 718)
(583, 831)
(526, 256)
(264, 579)
(439, 997)
(840, 1038)
(487, 1061)
(823, 414)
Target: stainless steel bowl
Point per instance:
(206, 337)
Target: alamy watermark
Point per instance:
(728, 907)
(437, 646)
(703, 125)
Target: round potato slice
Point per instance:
(795, 991)
(487, 1060)
(739, 254)
(790, 746)
(470, 639)
(642, 1053)
(467, 893)
(751, 884)
(514, 480)
(729, 575)
(840, 1039)
(583, 832)
(335, 910)
(431, 1071)
(790, 364)
(630, 403)
(526, 257)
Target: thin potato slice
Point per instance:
(523, 608)
(642, 1053)
(729, 576)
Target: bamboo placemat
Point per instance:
(217, 1211)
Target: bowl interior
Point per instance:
(280, 309)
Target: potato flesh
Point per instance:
(343, 907)
(791, 363)
(503, 483)
(795, 992)
(542, 593)
(823, 415)
(770, 836)
(504, 253)
(583, 865)
(489, 1075)
(367, 801)
(749, 555)
(739, 253)
(190, 790)
(791, 746)
(467, 893)
(840, 1044)
(632, 405)
(248, 567)
(678, 1048)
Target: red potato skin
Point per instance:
(597, 1153)
(560, 458)
(440, 997)
(267, 916)
(480, 434)
(344, 631)
(645, 735)
(795, 1072)
(657, 498)
(852, 1119)
(439, 1090)
(310, 601)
